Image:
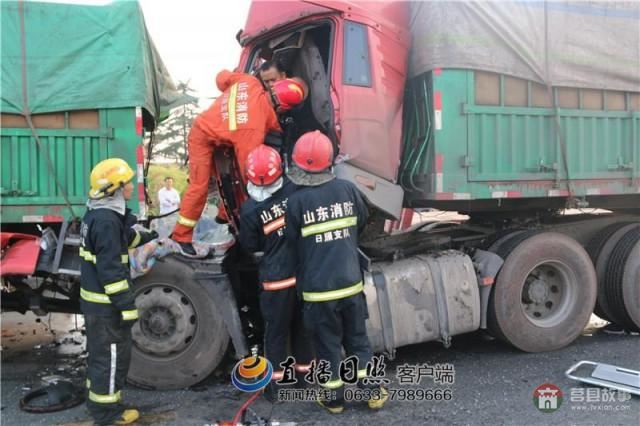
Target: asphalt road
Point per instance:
(494, 384)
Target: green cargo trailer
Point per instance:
(48, 180)
(88, 89)
(471, 137)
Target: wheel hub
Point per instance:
(159, 322)
(167, 321)
(547, 293)
(538, 291)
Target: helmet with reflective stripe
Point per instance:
(288, 92)
(264, 165)
(109, 175)
(313, 152)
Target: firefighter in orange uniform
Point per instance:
(241, 117)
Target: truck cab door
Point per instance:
(369, 75)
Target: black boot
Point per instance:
(187, 249)
(334, 406)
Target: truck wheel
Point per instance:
(600, 248)
(180, 337)
(495, 243)
(545, 292)
(622, 283)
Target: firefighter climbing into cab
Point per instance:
(241, 117)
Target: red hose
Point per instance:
(244, 407)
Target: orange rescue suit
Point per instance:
(241, 117)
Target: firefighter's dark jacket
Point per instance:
(262, 227)
(104, 274)
(323, 223)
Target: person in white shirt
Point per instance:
(168, 196)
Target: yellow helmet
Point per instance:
(109, 175)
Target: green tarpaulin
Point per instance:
(81, 57)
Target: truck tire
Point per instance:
(180, 337)
(622, 283)
(496, 240)
(495, 244)
(545, 292)
(600, 248)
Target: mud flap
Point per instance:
(218, 286)
(487, 265)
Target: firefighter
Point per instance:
(323, 222)
(262, 224)
(106, 298)
(242, 116)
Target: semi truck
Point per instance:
(513, 114)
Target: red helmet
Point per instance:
(313, 152)
(264, 165)
(288, 93)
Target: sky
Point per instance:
(195, 38)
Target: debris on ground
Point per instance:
(58, 396)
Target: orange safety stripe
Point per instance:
(303, 368)
(279, 285)
(273, 226)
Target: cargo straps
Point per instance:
(26, 111)
(331, 225)
(90, 257)
(326, 296)
(279, 285)
(190, 223)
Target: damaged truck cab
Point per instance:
(503, 143)
(354, 57)
(505, 146)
